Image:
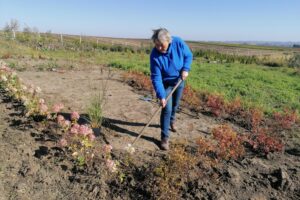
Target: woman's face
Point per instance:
(161, 46)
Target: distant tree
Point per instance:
(6, 28)
(12, 26)
(48, 33)
(26, 34)
(36, 31)
(294, 61)
(296, 46)
(27, 30)
(48, 36)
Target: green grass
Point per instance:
(266, 87)
(137, 62)
(246, 46)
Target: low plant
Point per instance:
(206, 151)
(191, 97)
(7, 55)
(77, 138)
(80, 140)
(229, 143)
(285, 119)
(138, 80)
(173, 173)
(111, 164)
(34, 106)
(98, 101)
(225, 144)
(234, 107)
(253, 118)
(215, 104)
(262, 143)
(95, 111)
(294, 61)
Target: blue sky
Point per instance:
(214, 20)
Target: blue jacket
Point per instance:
(166, 67)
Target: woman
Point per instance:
(170, 60)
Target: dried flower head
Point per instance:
(3, 78)
(111, 165)
(130, 149)
(75, 116)
(63, 142)
(57, 107)
(41, 101)
(92, 137)
(107, 148)
(43, 108)
(38, 90)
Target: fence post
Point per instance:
(61, 39)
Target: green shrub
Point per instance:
(224, 58)
(95, 112)
(294, 61)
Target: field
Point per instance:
(238, 126)
(271, 88)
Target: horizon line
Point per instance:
(188, 40)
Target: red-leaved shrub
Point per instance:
(263, 143)
(216, 104)
(285, 119)
(191, 97)
(230, 144)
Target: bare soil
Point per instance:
(125, 110)
(33, 167)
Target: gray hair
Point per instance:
(161, 35)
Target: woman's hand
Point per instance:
(163, 102)
(184, 75)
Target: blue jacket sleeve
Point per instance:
(187, 57)
(156, 79)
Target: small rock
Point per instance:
(260, 166)
(221, 198)
(235, 177)
(285, 180)
(258, 197)
(96, 190)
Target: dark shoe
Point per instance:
(164, 144)
(173, 128)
